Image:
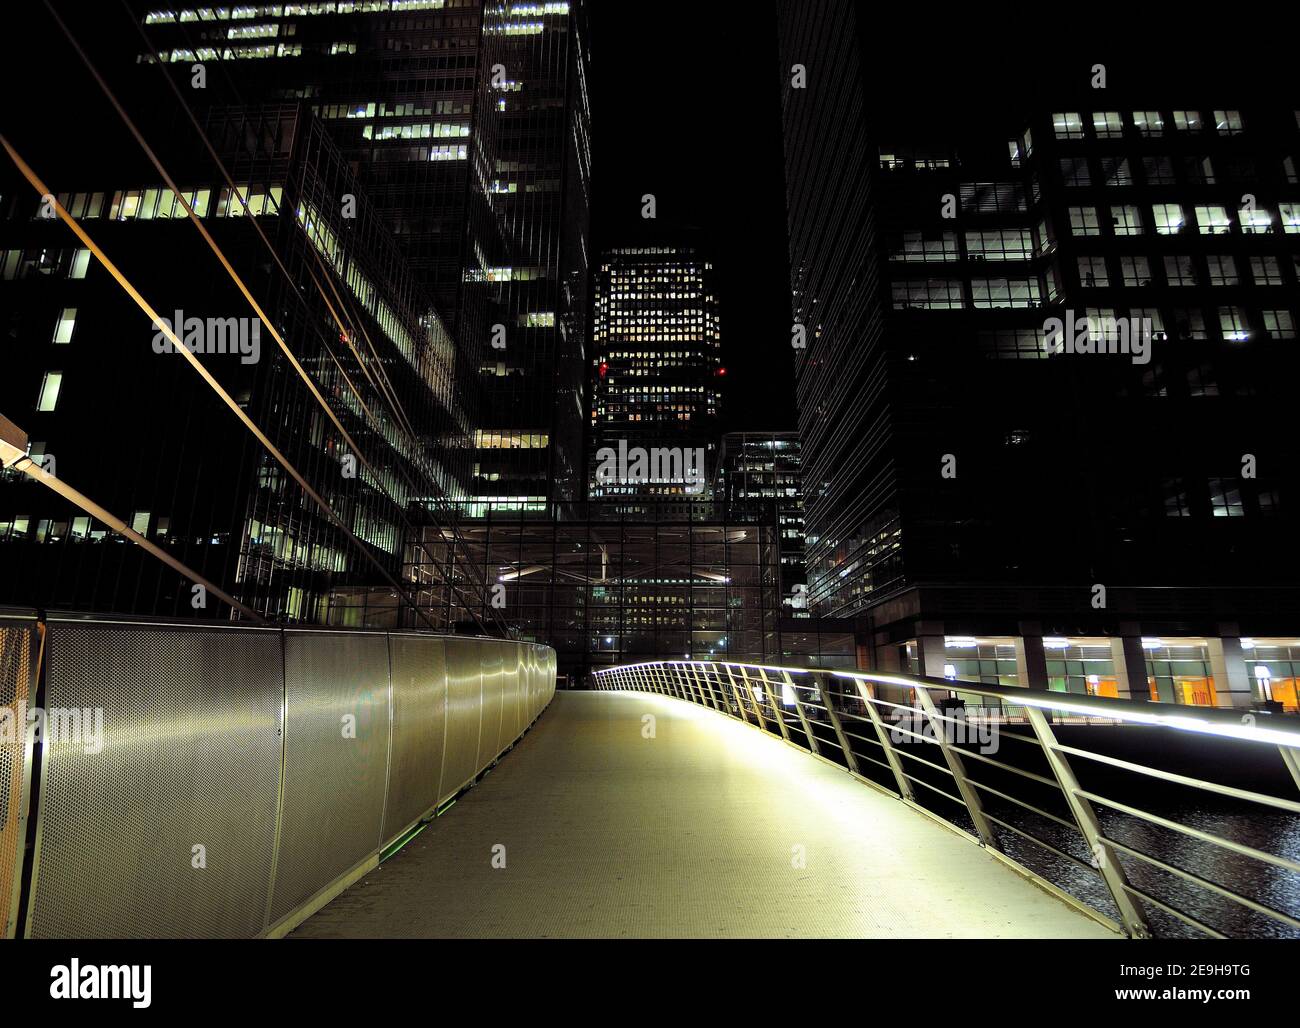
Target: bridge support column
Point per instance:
(1130, 664)
(1232, 684)
(1031, 659)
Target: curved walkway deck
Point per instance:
(692, 833)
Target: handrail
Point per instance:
(745, 689)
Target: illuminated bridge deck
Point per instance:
(690, 834)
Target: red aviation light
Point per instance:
(604, 369)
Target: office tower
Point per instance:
(468, 126)
(422, 170)
(762, 472)
(1043, 403)
(656, 375)
(128, 422)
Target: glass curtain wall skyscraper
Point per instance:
(1048, 335)
(656, 376)
(468, 124)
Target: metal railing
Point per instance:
(916, 739)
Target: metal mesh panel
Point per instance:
(493, 691)
(17, 667)
(419, 674)
(334, 769)
(190, 757)
(519, 708)
(464, 712)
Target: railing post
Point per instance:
(735, 691)
(1291, 758)
(692, 680)
(719, 698)
(850, 758)
(708, 671)
(776, 706)
(868, 693)
(749, 693)
(1086, 818)
(952, 757)
(702, 677)
(803, 718)
(688, 693)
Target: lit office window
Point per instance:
(1092, 272)
(1266, 271)
(49, 396)
(1083, 221)
(1290, 218)
(1127, 220)
(1014, 244)
(1168, 218)
(1149, 123)
(1212, 220)
(1002, 292)
(1278, 324)
(140, 522)
(1255, 222)
(1107, 124)
(1225, 499)
(1067, 126)
(1223, 270)
(1187, 121)
(80, 262)
(1179, 271)
(1232, 323)
(1227, 123)
(1136, 271)
(65, 324)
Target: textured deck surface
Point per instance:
(692, 833)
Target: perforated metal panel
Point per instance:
(464, 712)
(493, 701)
(516, 709)
(190, 757)
(334, 768)
(18, 647)
(419, 676)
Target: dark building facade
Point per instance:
(656, 369)
(421, 171)
(762, 472)
(124, 420)
(468, 125)
(1048, 338)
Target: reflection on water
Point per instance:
(1272, 831)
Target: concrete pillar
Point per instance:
(1031, 659)
(1131, 664)
(1232, 684)
(929, 648)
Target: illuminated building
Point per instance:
(656, 370)
(970, 494)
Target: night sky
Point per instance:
(686, 105)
